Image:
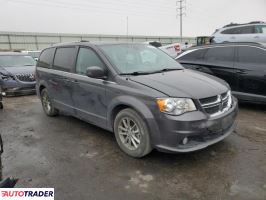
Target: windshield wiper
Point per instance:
(136, 73)
(167, 69)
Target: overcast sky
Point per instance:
(150, 17)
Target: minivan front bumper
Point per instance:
(198, 130)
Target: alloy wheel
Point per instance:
(129, 133)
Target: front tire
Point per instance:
(47, 104)
(132, 134)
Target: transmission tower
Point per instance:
(180, 7)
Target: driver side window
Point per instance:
(87, 58)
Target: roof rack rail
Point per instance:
(231, 24)
(257, 22)
(236, 24)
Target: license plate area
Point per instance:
(220, 125)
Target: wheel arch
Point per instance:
(42, 85)
(124, 102)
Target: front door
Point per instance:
(89, 94)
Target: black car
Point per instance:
(138, 92)
(242, 65)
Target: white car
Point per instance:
(171, 49)
(34, 54)
(249, 32)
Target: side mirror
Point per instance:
(96, 72)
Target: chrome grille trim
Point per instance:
(221, 104)
(25, 77)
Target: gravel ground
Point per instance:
(82, 161)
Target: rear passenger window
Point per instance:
(247, 29)
(251, 55)
(46, 58)
(222, 54)
(64, 58)
(230, 31)
(194, 55)
(87, 58)
(240, 30)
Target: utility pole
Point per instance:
(180, 12)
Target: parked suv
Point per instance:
(138, 92)
(17, 73)
(250, 32)
(242, 65)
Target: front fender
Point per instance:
(138, 106)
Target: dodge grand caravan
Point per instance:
(138, 92)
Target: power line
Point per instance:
(95, 7)
(180, 12)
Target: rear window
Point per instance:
(222, 54)
(194, 55)
(240, 30)
(46, 58)
(64, 58)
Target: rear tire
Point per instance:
(47, 104)
(1, 105)
(132, 134)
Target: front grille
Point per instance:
(26, 77)
(217, 104)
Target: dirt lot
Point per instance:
(82, 161)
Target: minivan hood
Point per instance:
(19, 70)
(183, 83)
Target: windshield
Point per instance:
(130, 58)
(16, 61)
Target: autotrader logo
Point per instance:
(27, 193)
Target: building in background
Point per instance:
(38, 41)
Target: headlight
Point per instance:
(175, 106)
(5, 76)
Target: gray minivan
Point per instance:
(138, 92)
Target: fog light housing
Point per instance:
(185, 141)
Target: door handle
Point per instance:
(256, 37)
